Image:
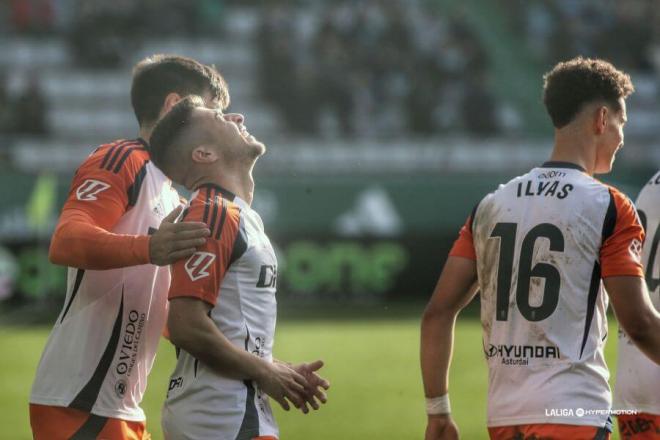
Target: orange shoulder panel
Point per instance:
(105, 186)
(464, 244)
(201, 275)
(620, 253)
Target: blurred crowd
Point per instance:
(103, 33)
(25, 111)
(627, 33)
(374, 68)
(382, 68)
(352, 68)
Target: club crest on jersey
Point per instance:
(198, 264)
(89, 189)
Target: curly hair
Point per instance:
(572, 84)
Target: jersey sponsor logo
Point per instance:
(130, 343)
(520, 354)
(89, 189)
(551, 174)
(636, 249)
(267, 276)
(198, 264)
(175, 382)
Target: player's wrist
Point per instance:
(261, 370)
(438, 406)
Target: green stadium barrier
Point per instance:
(338, 238)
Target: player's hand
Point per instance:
(174, 241)
(314, 392)
(283, 384)
(441, 427)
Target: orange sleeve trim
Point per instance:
(107, 191)
(464, 244)
(201, 275)
(620, 254)
(79, 242)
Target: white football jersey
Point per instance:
(542, 243)
(104, 341)
(638, 378)
(236, 273)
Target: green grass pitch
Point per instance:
(373, 366)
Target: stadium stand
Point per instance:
(432, 93)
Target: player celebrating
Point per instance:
(537, 248)
(638, 379)
(222, 299)
(93, 371)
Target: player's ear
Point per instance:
(170, 101)
(204, 154)
(600, 119)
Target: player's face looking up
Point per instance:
(610, 127)
(229, 134)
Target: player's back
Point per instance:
(638, 378)
(540, 246)
(104, 341)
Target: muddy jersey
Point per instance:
(638, 378)
(236, 273)
(542, 243)
(104, 341)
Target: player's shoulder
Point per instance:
(123, 156)
(215, 206)
(497, 194)
(618, 199)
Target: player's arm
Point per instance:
(97, 201)
(192, 330)
(79, 241)
(635, 313)
(194, 292)
(456, 286)
(623, 276)
(455, 289)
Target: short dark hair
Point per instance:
(167, 143)
(572, 84)
(159, 75)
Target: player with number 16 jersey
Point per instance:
(548, 250)
(548, 237)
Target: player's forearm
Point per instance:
(647, 336)
(202, 339)
(77, 242)
(635, 312)
(437, 340)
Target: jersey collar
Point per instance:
(560, 164)
(143, 142)
(226, 194)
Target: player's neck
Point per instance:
(574, 148)
(239, 183)
(145, 133)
